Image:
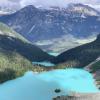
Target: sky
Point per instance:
(47, 3)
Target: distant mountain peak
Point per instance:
(46, 27)
(29, 8)
(83, 9)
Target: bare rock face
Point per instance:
(92, 96)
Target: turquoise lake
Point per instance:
(47, 64)
(53, 53)
(42, 86)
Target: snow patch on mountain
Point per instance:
(3, 13)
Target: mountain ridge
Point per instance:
(17, 55)
(38, 25)
(14, 42)
(81, 55)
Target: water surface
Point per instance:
(42, 86)
(44, 63)
(54, 53)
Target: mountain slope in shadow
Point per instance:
(80, 56)
(11, 41)
(27, 50)
(17, 55)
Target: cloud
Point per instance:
(61, 3)
(10, 5)
(7, 3)
(47, 3)
(14, 0)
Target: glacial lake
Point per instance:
(44, 63)
(53, 53)
(42, 86)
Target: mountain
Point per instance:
(80, 56)
(7, 31)
(94, 67)
(82, 10)
(56, 29)
(12, 41)
(3, 13)
(8, 9)
(17, 54)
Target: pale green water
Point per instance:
(42, 86)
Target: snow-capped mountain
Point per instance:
(83, 10)
(8, 9)
(56, 29)
(2, 12)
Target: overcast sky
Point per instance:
(46, 3)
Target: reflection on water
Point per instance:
(42, 86)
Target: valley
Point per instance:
(17, 54)
(49, 53)
(38, 25)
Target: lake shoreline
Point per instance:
(80, 96)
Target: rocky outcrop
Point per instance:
(92, 96)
